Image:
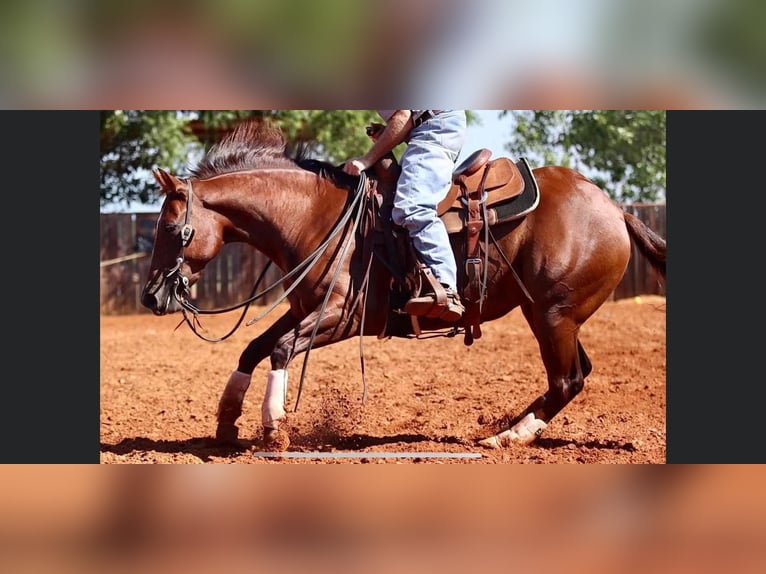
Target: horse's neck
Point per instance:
(283, 213)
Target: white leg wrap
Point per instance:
(235, 390)
(273, 408)
(523, 432)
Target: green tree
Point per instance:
(623, 151)
(135, 141)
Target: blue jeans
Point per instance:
(427, 165)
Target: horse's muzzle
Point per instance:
(152, 302)
(159, 299)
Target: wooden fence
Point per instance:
(640, 278)
(126, 240)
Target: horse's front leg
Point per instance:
(332, 328)
(230, 403)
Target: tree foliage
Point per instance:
(135, 141)
(623, 151)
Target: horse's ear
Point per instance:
(163, 178)
(168, 182)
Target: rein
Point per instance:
(191, 312)
(360, 205)
(181, 282)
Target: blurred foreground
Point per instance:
(492, 54)
(383, 519)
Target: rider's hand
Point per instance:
(354, 166)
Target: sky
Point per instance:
(492, 133)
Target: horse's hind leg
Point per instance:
(230, 404)
(566, 365)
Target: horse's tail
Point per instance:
(651, 245)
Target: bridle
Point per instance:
(354, 209)
(180, 290)
(180, 281)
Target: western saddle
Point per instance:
(483, 193)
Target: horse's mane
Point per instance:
(255, 144)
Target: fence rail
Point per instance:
(126, 240)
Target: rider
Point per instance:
(434, 140)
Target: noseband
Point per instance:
(180, 281)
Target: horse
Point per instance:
(559, 263)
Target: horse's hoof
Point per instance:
(525, 432)
(275, 440)
(227, 434)
(491, 442)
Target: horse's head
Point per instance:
(187, 237)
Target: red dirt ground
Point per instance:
(160, 391)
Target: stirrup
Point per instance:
(422, 305)
(454, 309)
(450, 310)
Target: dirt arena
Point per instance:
(160, 390)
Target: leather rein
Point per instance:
(191, 312)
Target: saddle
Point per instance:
(484, 193)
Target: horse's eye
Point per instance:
(171, 227)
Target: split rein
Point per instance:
(181, 282)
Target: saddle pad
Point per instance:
(506, 210)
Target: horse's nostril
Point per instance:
(148, 300)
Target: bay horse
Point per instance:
(559, 262)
